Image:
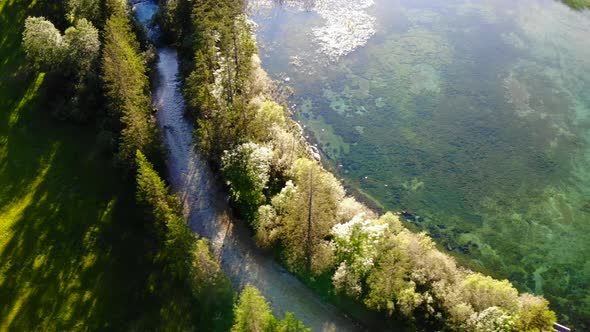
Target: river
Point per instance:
(207, 211)
(472, 115)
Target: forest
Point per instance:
(92, 237)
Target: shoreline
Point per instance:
(310, 152)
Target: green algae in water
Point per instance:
(332, 145)
(474, 115)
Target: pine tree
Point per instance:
(127, 91)
(252, 313)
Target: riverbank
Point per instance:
(206, 209)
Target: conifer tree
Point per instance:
(252, 313)
(127, 90)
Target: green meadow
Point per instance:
(72, 254)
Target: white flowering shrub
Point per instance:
(267, 231)
(281, 200)
(355, 248)
(267, 223)
(286, 148)
(246, 170)
(492, 319)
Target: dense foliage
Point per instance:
(303, 216)
(88, 9)
(185, 259)
(252, 314)
(302, 209)
(70, 59)
(247, 169)
(127, 90)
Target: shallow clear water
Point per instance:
(473, 115)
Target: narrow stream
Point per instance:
(207, 211)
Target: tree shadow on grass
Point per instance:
(58, 203)
(72, 249)
(73, 252)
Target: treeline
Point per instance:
(217, 48)
(184, 264)
(301, 210)
(127, 90)
(99, 73)
(185, 261)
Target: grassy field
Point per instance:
(72, 254)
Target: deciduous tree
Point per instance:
(246, 169)
(533, 314)
(83, 45)
(43, 43)
(309, 216)
(356, 250)
(389, 285)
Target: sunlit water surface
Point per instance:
(472, 115)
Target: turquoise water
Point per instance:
(473, 115)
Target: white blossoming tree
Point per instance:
(287, 147)
(491, 319)
(83, 45)
(43, 43)
(246, 169)
(349, 207)
(355, 246)
(268, 220)
(47, 48)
